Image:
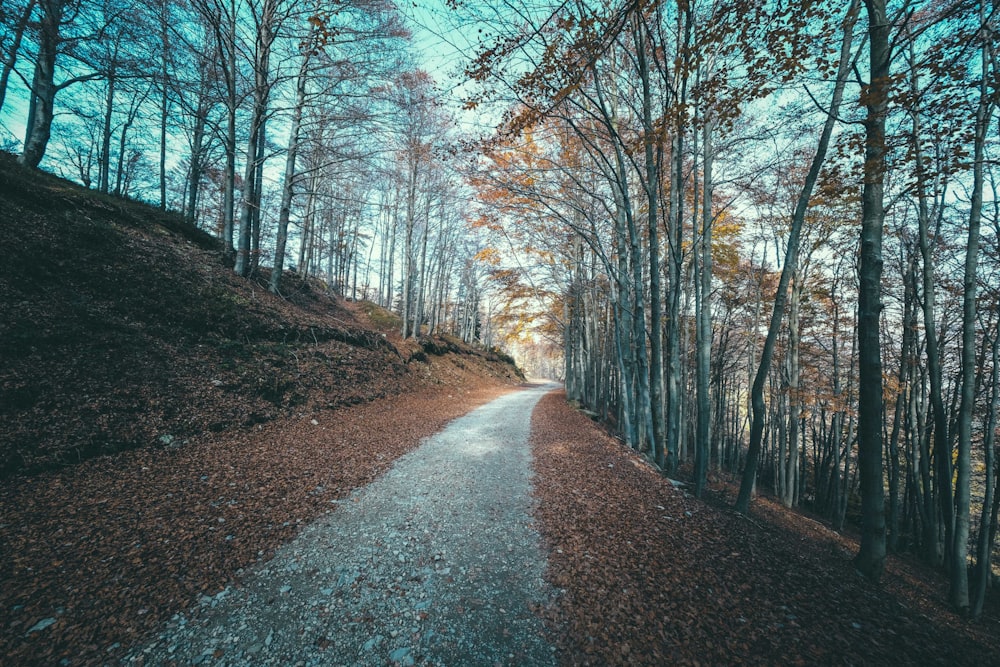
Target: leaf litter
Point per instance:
(646, 574)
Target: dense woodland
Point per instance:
(762, 237)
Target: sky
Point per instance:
(445, 42)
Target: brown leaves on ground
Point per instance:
(651, 576)
(111, 548)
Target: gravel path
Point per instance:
(437, 562)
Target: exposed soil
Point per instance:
(651, 576)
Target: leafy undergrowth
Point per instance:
(651, 576)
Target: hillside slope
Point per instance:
(230, 417)
(120, 327)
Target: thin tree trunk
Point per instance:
(652, 154)
(11, 60)
(418, 314)
(794, 396)
(258, 190)
(942, 448)
(104, 171)
(904, 378)
(959, 589)
(411, 206)
(675, 236)
(43, 86)
(288, 183)
(251, 196)
(987, 517)
(704, 325)
(229, 186)
(164, 101)
(791, 253)
(194, 177)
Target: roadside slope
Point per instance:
(651, 576)
(122, 327)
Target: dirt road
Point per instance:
(436, 562)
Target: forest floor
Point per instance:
(649, 575)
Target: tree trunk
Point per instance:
(258, 190)
(904, 378)
(987, 517)
(228, 44)
(703, 310)
(11, 60)
(43, 86)
(652, 154)
(942, 446)
(308, 225)
(411, 212)
(871, 555)
(675, 236)
(794, 396)
(251, 196)
(418, 312)
(164, 100)
(288, 183)
(959, 589)
(194, 176)
(104, 164)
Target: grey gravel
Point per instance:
(435, 563)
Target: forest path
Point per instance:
(436, 562)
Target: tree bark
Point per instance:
(411, 213)
(164, 100)
(104, 164)
(959, 589)
(11, 60)
(703, 309)
(794, 396)
(288, 184)
(267, 26)
(987, 517)
(942, 446)
(652, 148)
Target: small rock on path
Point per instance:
(435, 563)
